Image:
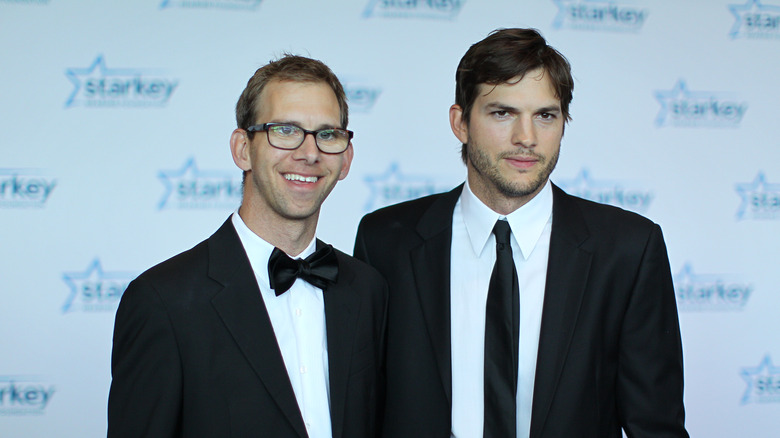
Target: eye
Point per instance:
(285, 130)
(547, 116)
(326, 134)
(502, 115)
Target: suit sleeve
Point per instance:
(145, 396)
(650, 367)
(360, 251)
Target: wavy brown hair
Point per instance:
(507, 54)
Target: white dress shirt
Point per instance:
(473, 257)
(298, 320)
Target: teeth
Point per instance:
(296, 177)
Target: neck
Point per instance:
(496, 200)
(290, 235)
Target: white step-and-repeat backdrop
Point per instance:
(114, 127)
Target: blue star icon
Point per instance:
(394, 186)
(222, 4)
(665, 98)
(361, 97)
(447, 10)
(749, 191)
(561, 15)
(750, 8)
(189, 172)
(757, 378)
(581, 183)
(97, 69)
(685, 276)
(94, 274)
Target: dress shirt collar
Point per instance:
(259, 251)
(527, 222)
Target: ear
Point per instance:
(240, 149)
(346, 161)
(458, 124)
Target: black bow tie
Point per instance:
(318, 269)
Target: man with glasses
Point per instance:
(262, 329)
(515, 309)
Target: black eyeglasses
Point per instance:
(288, 136)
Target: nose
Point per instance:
(524, 132)
(308, 150)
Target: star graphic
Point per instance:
(21, 378)
(97, 69)
(442, 10)
(561, 15)
(225, 4)
(580, 183)
(189, 171)
(361, 97)
(93, 274)
(764, 369)
(394, 177)
(750, 7)
(759, 185)
(598, 7)
(685, 275)
(620, 193)
(666, 97)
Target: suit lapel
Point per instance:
(567, 274)
(243, 312)
(341, 316)
(431, 264)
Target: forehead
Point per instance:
(298, 101)
(535, 88)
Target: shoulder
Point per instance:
(175, 269)
(360, 269)
(409, 213)
(603, 213)
(194, 264)
(176, 281)
(605, 225)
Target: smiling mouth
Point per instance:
(301, 178)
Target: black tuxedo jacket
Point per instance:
(195, 353)
(609, 356)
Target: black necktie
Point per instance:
(502, 328)
(318, 269)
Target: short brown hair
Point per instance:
(506, 54)
(287, 68)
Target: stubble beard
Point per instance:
(491, 174)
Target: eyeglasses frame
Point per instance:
(265, 127)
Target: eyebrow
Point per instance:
(298, 124)
(511, 109)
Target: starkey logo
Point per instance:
(361, 95)
(710, 292)
(24, 188)
(755, 20)
(103, 87)
(763, 382)
(24, 395)
(191, 188)
(215, 4)
(682, 107)
(623, 194)
(760, 199)
(95, 289)
(435, 9)
(27, 2)
(597, 15)
(393, 186)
